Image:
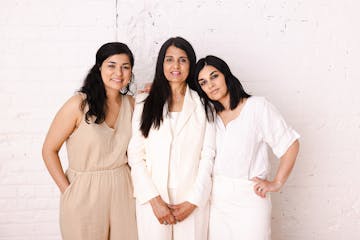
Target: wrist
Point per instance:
(63, 188)
(155, 200)
(278, 182)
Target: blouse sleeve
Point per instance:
(274, 130)
(144, 188)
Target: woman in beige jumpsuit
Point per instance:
(96, 191)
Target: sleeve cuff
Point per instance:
(285, 142)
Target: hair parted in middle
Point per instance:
(160, 93)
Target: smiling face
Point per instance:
(213, 83)
(116, 72)
(176, 65)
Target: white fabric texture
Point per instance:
(192, 144)
(175, 162)
(242, 146)
(194, 227)
(236, 212)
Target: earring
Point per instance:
(132, 85)
(130, 88)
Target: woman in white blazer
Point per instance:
(172, 150)
(245, 127)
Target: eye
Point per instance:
(111, 66)
(202, 83)
(168, 59)
(183, 60)
(214, 76)
(126, 67)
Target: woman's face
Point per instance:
(176, 65)
(116, 72)
(212, 82)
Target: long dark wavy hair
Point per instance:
(236, 90)
(160, 93)
(93, 86)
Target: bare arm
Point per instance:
(287, 162)
(64, 123)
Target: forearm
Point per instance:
(53, 164)
(287, 162)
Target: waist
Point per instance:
(235, 191)
(232, 181)
(98, 172)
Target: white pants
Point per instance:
(194, 227)
(236, 212)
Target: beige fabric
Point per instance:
(99, 202)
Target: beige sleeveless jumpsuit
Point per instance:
(99, 202)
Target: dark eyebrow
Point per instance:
(173, 56)
(122, 64)
(212, 73)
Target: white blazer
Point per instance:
(194, 142)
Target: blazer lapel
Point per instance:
(187, 109)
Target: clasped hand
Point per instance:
(171, 214)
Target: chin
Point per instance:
(214, 99)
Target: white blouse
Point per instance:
(241, 146)
(175, 162)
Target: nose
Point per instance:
(118, 71)
(211, 84)
(177, 64)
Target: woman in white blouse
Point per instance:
(245, 127)
(172, 150)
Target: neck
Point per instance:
(178, 88)
(225, 101)
(113, 96)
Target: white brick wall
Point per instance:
(302, 55)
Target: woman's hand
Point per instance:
(287, 162)
(162, 211)
(63, 188)
(261, 186)
(182, 210)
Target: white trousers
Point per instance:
(194, 227)
(236, 212)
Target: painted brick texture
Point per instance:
(301, 55)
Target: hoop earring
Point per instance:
(130, 88)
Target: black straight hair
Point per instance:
(160, 93)
(236, 90)
(93, 86)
